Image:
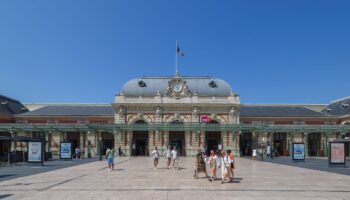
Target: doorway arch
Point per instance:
(314, 144)
(177, 139)
(213, 139)
(140, 141)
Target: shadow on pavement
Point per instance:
(26, 169)
(319, 164)
(3, 196)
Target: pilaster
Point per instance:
(306, 142)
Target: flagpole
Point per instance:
(176, 72)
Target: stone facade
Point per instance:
(176, 105)
(180, 101)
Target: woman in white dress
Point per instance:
(168, 157)
(175, 158)
(254, 154)
(226, 166)
(155, 155)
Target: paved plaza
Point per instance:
(134, 178)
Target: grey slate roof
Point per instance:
(107, 110)
(195, 84)
(10, 106)
(72, 110)
(278, 111)
(339, 107)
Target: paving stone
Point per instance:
(135, 179)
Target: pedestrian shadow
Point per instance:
(172, 169)
(163, 168)
(3, 196)
(118, 170)
(235, 180)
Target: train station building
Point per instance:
(189, 113)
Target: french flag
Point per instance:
(179, 52)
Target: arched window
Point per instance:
(140, 122)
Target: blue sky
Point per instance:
(269, 51)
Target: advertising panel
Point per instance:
(34, 152)
(66, 150)
(337, 153)
(298, 151)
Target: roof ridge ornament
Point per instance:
(177, 74)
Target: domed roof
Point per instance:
(339, 107)
(202, 86)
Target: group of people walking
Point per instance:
(217, 160)
(171, 156)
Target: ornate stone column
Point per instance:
(115, 135)
(120, 115)
(236, 143)
(325, 144)
(128, 142)
(159, 115)
(47, 145)
(201, 140)
(234, 115)
(306, 142)
(291, 143)
(195, 114)
(166, 139)
(255, 138)
(81, 140)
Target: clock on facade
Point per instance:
(177, 88)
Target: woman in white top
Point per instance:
(175, 158)
(226, 167)
(155, 155)
(168, 157)
(254, 154)
(218, 158)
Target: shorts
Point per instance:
(110, 160)
(155, 159)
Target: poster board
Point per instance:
(298, 151)
(35, 152)
(336, 154)
(65, 150)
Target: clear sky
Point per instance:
(269, 51)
